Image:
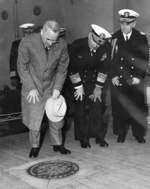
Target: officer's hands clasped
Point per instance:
(131, 81)
(135, 81)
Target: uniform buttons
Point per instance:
(121, 58)
(132, 59)
(84, 76)
(83, 81)
(132, 67)
(120, 76)
(120, 84)
(121, 68)
(131, 75)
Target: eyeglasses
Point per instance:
(51, 40)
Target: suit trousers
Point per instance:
(121, 127)
(88, 120)
(54, 132)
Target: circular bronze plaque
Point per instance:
(53, 169)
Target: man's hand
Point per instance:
(97, 93)
(78, 94)
(33, 96)
(55, 94)
(135, 81)
(115, 81)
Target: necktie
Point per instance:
(126, 38)
(46, 50)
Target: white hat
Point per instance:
(100, 32)
(27, 25)
(128, 15)
(56, 108)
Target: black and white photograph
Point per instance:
(74, 94)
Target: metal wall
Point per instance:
(143, 7)
(80, 14)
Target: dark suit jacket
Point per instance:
(13, 58)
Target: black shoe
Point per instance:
(121, 138)
(34, 152)
(61, 149)
(101, 142)
(85, 144)
(140, 139)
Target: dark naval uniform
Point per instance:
(88, 69)
(13, 63)
(13, 102)
(129, 60)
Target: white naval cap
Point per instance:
(128, 15)
(27, 25)
(100, 32)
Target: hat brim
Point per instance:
(27, 25)
(98, 30)
(131, 13)
(49, 109)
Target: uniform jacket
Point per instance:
(129, 60)
(42, 71)
(13, 58)
(88, 68)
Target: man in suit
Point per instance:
(128, 68)
(42, 66)
(89, 62)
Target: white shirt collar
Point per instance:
(129, 35)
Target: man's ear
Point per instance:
(133, 24)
